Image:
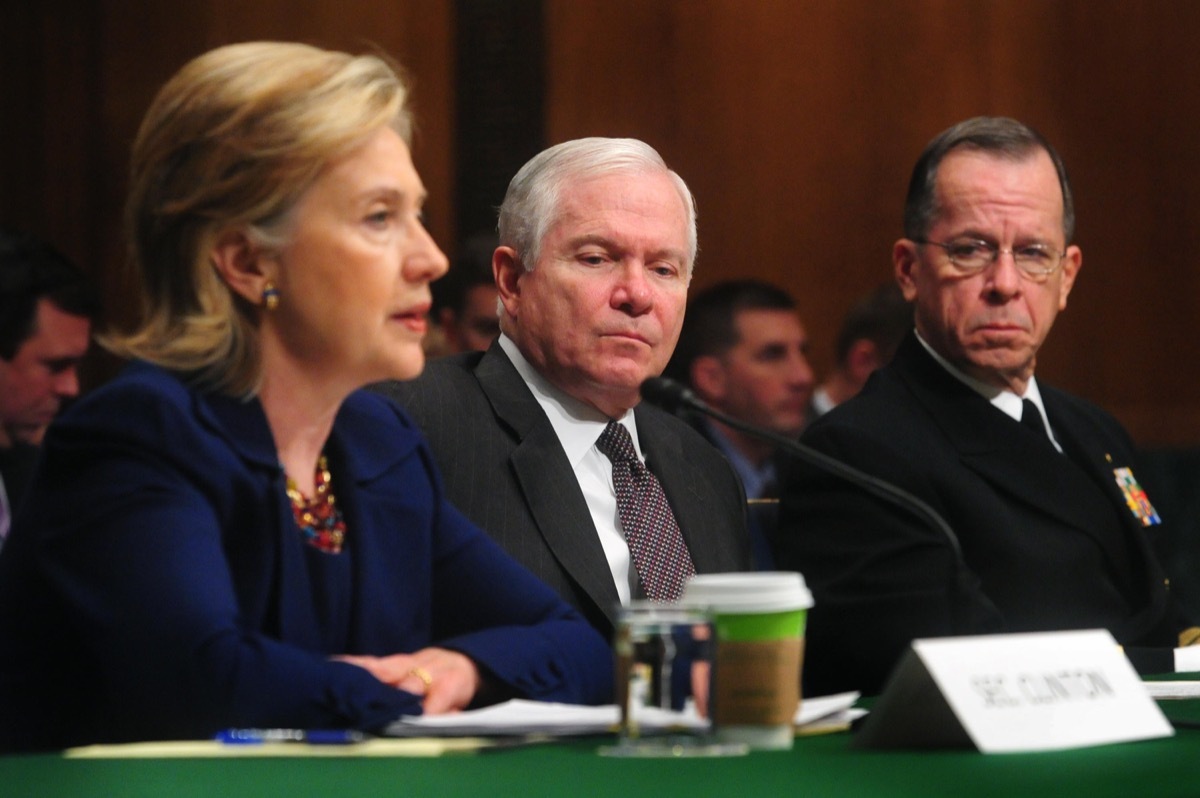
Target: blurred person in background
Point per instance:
(869, 336)
(744, 351)
(47, 307)
(464, 301)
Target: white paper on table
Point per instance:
(828, 713)
(821, 707)
(517, 716)
(521, 717)
(1171, 690)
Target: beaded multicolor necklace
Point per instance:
(319, 519)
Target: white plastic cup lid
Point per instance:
(755, 591)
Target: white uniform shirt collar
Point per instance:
(1003, 400)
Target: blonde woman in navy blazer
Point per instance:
(231, 533)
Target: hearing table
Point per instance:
(823, 765)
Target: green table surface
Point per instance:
(816, 766)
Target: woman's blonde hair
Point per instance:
(231, 143)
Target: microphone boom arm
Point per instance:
(671, 396)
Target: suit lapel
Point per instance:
(1015, 462)
(547, 481)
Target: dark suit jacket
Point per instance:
(157, 585)
(16, 469)
(1047, 540)
(505, 468)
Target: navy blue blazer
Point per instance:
(156, 585)
(1047, 540)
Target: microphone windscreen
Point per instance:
(664, 392)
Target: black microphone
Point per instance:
(673, 397)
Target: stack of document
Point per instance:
(521, 717)
(1173, 690)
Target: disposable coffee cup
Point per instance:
(759, 619)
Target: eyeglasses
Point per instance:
(971, 256)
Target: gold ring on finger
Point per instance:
(423, 675)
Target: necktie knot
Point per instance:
(616, 444)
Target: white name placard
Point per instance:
(1009, 693)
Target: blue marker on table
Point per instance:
(310, 736)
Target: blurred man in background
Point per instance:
(870, 334)
(46, 311)
(464, 301)
(744, 351)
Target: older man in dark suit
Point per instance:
(541, 439)
(1049, 527)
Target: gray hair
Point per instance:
(531, 204)
(1000, 136)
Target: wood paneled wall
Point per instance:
(76, 78)
(795, 122)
